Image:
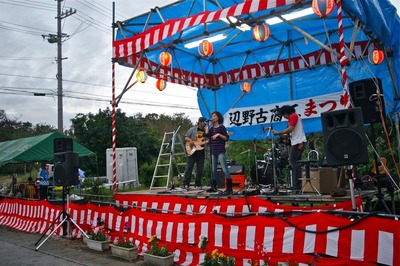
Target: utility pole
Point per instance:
(51, 38)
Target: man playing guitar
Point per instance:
(196, 155)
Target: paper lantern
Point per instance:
(323, 8)
(165, 58)
(245, 87)
(205, 48)
(161, 84)
(376, 57)
(141, 76)
(261, 32)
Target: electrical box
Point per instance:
(126, 162)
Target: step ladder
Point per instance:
(172, 154)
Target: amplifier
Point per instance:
(236, 169)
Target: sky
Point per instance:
(28, 63)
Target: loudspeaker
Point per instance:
(63, 144)
(220, 177)
(324, 179)
(66, 166)
(363, 94)
(344, 137)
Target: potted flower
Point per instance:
(98, 236)
(125, 248)
(215, 258)
(158, 255)
(218, 258)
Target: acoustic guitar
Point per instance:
(197, 146)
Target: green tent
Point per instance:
(38, 148)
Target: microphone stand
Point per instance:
(255, 156)
(248, 160)
(273, 152)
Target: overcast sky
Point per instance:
(28, 65)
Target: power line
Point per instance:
(98, 98)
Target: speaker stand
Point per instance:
(380, 195)
(380, 201)
(65, 223)
(307, 164)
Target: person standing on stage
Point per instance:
(297, 139)
(218, 136)
(196, 154)
(43, 182)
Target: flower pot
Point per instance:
(98, 245)
(157, 260)
(129, 254)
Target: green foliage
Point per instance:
(146, 173)
(145, 133)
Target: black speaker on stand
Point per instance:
(364, 95)
(66, 174)
(344, 137)
(66, 168)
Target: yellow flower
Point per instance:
(214, 253)
(152, 238)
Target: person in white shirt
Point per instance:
(297, 139)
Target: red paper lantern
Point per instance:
(323, 8)
(141, 76)
(165, 58)
(205, 48)
(261, 32)
(161, 84)
(245, 87)
(376, 57)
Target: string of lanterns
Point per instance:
(261, 33)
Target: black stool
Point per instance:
(307, 164)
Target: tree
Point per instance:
(144, 133)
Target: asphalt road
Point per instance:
(18, 248)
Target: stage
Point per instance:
(282, 196)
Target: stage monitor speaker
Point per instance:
(63, 144)
(344, 137)
(66, 166)
(363, 95)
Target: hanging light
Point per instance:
(323, 8)
(245, 87)
(165, 58)
(376, 57)
(161, 84)
(261, 32)
(141, 76)
(205, 48)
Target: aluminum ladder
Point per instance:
(171, 154)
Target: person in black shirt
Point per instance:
(218, 136)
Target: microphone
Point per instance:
(265, 129)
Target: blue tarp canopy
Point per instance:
(299, 64)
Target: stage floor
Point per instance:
(281, 197)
